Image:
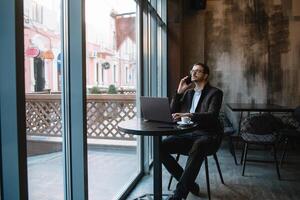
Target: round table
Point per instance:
(139, 126)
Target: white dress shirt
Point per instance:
(195, 101)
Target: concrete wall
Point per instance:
(174, 44)
(36, 147)
(251, 46)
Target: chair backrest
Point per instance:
(261, 124)
(297, 114)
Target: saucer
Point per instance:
(181, 123)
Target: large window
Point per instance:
(154, 48)
(154, 56)
(70, 72)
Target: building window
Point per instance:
(127, 74)
(37, 12)
(97, 73)
(115, 74)
(102, 75)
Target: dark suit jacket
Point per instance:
(207, 110)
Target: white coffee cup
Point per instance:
(185, 119)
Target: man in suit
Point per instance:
(201, 102)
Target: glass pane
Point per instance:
(153, 3)
(113, 157)
(43, 73)
(153, 59)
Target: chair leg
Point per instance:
(284, 151)
(232, 150)
(171, 178)
(218, 166)
(207, 178)
(245, 158)
(242, 157)
(276, 162)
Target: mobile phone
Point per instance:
(188, 80)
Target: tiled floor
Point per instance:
(110, 169)
(260, 180)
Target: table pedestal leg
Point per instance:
(157, 173)
(157, 185)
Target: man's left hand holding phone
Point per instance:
(184, 84)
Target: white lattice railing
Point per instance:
(104, 112)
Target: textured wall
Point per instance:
(174, 44)
(253, 48)
(193, 33)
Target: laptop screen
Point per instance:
(156, 109)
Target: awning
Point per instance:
(32, 52)
(48, 55)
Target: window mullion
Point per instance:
(12, 101)
(75, 143)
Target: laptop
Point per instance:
(156, 109)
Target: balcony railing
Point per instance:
(104, 112)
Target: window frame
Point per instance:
(12, 100)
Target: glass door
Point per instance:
(43, 72)
(111, 81)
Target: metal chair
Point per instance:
(292, 133)
(260, 130)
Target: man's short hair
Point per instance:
(204, 66)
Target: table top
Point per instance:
(258, 107)
(138, 126)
